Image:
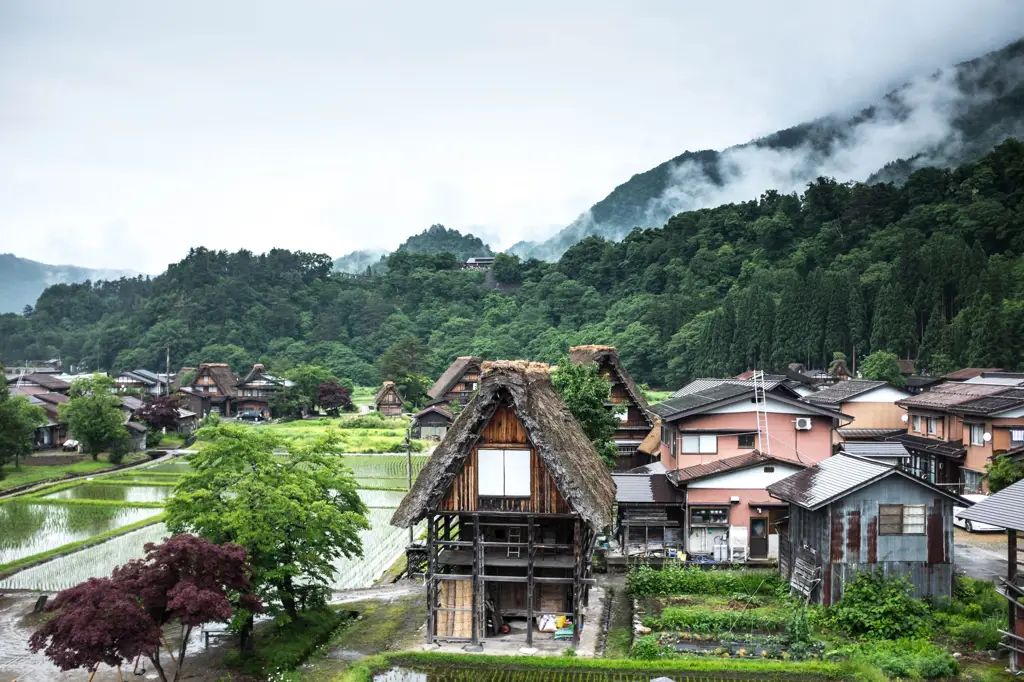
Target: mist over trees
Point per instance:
(930, 270)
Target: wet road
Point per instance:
(981, 555)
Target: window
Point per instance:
(709, 515)
(901, 519)
(503, 473)
(1016, 437)
(693, 445)
(933, 426)
(977, 434)
(916, 423)
(769, 470)
(971, 481)
(746, 440)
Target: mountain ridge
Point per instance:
(22, 280)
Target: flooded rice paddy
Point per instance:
(507, 674)
(31, 528)
(114, 492)
(41, 527)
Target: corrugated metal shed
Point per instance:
(879, 449)
(1004, 508)
(839, 476)
(842, 391)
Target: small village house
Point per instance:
(848, 514)
(388, 401)
(1005, 509)
(459, 382)
(513, 499)
(40, 383)
(723, 441)
(650, 513)
(257, 390)
(432, 422)
(141, 381)
(871, 405)
(954, 430)
(212, 389)
(53, 432)
(626, 401)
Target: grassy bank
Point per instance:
(550, 666)
(29, 473)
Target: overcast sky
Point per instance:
(131, 131)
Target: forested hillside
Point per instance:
(931, 270)
(22, 280)
(433, 240)
(940, 119)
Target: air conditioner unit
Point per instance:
(803, 423)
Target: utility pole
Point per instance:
(167, 376)
(408, 466)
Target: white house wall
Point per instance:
(753, 478)
(882, 394)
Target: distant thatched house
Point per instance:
(627, 402)
(388, 401)
(514, 497)
(213, 389)
(459, 381)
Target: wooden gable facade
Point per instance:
(388, 401)
(504, 431)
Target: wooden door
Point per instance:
(759, 537)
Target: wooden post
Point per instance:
(94, 671)
(431, 581)
(529, 582)
(1011, 577)
(577, 617)
(477, 581)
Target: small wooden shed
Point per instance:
(432, 422)
(849, 514)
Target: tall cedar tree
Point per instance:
(585, 393)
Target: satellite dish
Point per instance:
(986, 436)
(905, 419)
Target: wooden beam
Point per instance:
(577, 619)
(529, 583)
(1011, 581)
(477, 584)
(431, 585)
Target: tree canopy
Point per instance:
(94, 415)
(18, 422)
(932, 269)
(585, 393)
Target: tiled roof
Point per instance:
(851, 433)
(838, 476)
(968, 373)
(721, 466)
(953, 449)
(994, 404)
(434, 408)
(842, 391)
(47, 381)
(949, 394)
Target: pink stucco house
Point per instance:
(722, 456)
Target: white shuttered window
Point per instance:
(503, 473)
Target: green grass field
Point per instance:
(388, 438)
(30, 474)
(657, 396)
(363, 395)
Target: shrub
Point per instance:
(978, 598)
(647, 648)
(879, 607)
(903, 659)
(980, 635)
(700, 619)
(644, 581)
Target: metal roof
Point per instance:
(994, 404)
(950, 394)
(839, 476)
(876, 449)
(852, 433)
(842, 391)
(711, 394)
(645, 489)
(703, 385)
(727, 464)
(1004, 509)
(968, 373)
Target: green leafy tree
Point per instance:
(307, 380)
(1003, 472)
(18, 422)
(585, 393)
(882, 366)
(93, 414)
(295, 515)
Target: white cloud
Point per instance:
(130, 132)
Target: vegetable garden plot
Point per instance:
(32, 528)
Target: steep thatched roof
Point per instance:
(570, 458)
(385, 388)
(222, 375)
(651, 444)
(585, 355)
(452, 375)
